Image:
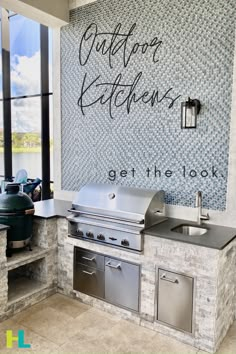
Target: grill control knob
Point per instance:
(101, 237)
(80, 233)
(90, 234)
(125, 242)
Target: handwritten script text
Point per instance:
(114, 43)
(119, 94)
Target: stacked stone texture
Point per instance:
(40, 265)
(3, 271)
(214, 284)
(213, 271)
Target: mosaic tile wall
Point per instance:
(126, 66)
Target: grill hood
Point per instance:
(136, 205)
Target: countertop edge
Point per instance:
(51, 208)
(4, 227)
(190, 243)
(218, 238)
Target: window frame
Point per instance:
(44, 95)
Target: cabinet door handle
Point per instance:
(92, 273)
(118, 266)
(88, 259)
(163, 277)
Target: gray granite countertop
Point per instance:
(50, 208)
(3, 227)
(216, 237)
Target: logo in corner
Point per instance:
(20, 339)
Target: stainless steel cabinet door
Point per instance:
(89, 280)
(122, 283)
(175, 300)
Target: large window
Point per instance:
(26, 55)
(1, 109)
(26, 136)
(1, 142)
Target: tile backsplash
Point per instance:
(126, 66)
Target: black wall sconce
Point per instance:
(189, 111)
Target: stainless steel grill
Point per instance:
(115, 215)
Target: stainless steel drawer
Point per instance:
(122, 283)
(175, 300)
(89, 280)
(90, 259)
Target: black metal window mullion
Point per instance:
(44, 94)
(45, 131)
(6, 87)
(26, 96)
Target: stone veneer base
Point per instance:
(214, 284)
(213, 271)
(40, 266)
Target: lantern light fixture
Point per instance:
(189, 111)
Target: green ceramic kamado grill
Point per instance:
(16, 211)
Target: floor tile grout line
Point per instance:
(90, 310)
(40, 335)
(51, 341)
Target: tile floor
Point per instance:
(63, 325)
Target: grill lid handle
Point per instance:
(18, 212)
(103, 216)
(29, 211)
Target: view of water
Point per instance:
(30, 161)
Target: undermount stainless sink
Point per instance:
(190, 230)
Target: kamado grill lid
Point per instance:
(14, 201)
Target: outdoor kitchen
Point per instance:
(117, 251)
(197, 271)
(139, 239)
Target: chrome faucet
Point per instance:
(198, 205)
